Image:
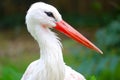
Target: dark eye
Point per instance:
(50, 14)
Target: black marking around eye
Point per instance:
(50, 14)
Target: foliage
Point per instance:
(12, 21)
(103, 67)
(92, 78)
(97, 6)
(9, 73)
(110, 35)
(109, 39)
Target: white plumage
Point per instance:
(39, 19)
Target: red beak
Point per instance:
(65, 28)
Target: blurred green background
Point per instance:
(98, 20)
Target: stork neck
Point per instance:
(48, 42)
(51, 53)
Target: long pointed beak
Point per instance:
(65, 28)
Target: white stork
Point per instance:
(40, 18)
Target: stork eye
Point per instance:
(50, 14)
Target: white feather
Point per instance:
(51, 65)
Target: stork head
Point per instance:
(47, 16)
(43, 14)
